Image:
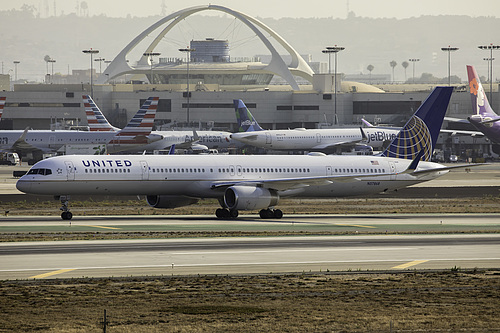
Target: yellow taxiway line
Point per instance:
(356, 225)
(409, 264)
(60, 271)
(98, 226)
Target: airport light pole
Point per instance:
(490, 47)
(16, 62)
(52, 61)
(329, 50)
(188, 59)
(449, 49)
(91, 52)
(151, 55)
(413, 61)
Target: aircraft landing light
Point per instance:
(356, 225)
(98, 226)
(409, 264)
(60, 271)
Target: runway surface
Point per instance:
(247, 255)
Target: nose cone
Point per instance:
(23, 185)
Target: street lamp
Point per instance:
(91, 52)
(16, 62)
(449, 49)
(100, 64)
(188, 58)
(151, 55)
(490, 47)
(413, 61)
(329, 50)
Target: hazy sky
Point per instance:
(274, 8)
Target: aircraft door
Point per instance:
(269, 139)
(70, 170)
(318, 138)
(145, 170)
(392, 167)
(328, 170)
(52, 141)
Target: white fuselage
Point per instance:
(210, 139)
(312, 139)
(206, 176)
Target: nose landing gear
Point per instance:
(66, 214)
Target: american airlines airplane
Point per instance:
(195, 140)
(243, 182)
(324, 140)
(136, 134)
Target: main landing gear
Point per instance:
(224, 213)
(66, 214)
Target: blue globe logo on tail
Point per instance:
(414, 137)
(421, 132)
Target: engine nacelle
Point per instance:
(169, 201)
(249, 198)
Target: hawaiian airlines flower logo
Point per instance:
(473, 86)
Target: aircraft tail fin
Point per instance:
(96, 120)
(420, 133)
(140, 126)
(480, 104)
(246, 121)
(2, 104)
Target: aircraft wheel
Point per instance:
(278, 213)
(266, 213)
(233, 213)
(219, 213)
(66, 215)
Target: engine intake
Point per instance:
(169, 201)
(250, 198)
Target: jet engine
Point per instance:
(169, 201)
(249, 198)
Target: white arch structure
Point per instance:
(298, 66)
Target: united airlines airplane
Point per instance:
(248, 182)
(197, 140)
(137, 133)
(324, 140)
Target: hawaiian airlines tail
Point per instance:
(422, 130)
(2, 104)
(246, 121)
(480, 104)
(95, 118)
(139, 128)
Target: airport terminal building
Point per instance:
(284, 91)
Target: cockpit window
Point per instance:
(41, 171)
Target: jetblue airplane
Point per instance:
(242, 182)
(325, 140)
(195, 140)
(137, 133)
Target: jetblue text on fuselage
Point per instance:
(106, 163)
(380, 136)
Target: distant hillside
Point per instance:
(368, 41)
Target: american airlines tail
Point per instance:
(2, 104)
(422, 130)
(139, 128)
(246, 121)
(95, 118)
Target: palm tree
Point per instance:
(393, 64)
(405, 65)
(370, 68)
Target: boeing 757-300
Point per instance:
(243, 182)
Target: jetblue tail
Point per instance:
(140, 126)
(246, 121)
(95, 118)
(422, 130)
(2, 104)
(480, 105)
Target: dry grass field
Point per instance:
(322, 302)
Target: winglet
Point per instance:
(171, 151)
(414, 164)
(96, 120)
(367, 123)
(422, 130)
(246, 121)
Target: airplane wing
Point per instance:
(456, 120)
(245, 136)
(21, 146)
(460, 132)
